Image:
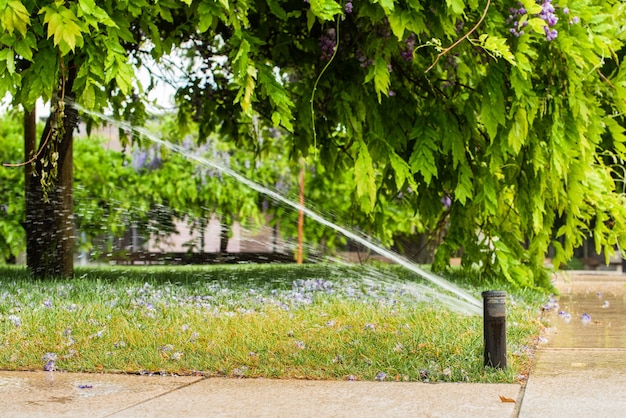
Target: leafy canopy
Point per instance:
(511, 111)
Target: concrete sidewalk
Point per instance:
(579, 372)
(44, 394)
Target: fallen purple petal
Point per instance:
(50, 366)
(585, 319)
(380, 376)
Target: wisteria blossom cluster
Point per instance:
(407, 54)
(551, 19)
(328, 42)
(514, 20)
(548, 14)
(146, 159)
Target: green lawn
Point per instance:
(283, 321)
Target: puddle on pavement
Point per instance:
(604, 303)
(49, 381)
(71, 394)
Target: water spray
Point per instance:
(469, 303)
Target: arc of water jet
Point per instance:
(472, 304)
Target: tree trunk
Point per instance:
(49, 215)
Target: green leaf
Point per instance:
(492, 110)
(387, 5)
(277, 10)
(15, 17)
(464, 189)
(486, 194)
(225, 4)
(278, 97)
(245, 75)
(497, 47)
(398, 21)
(62, 24)
(124, 77)
(24, 49)
(240, 62)
(457, 6)
(422, 158)
(93, 14)
(87, 6)
(310, 19)
(402, 171)
(519, 131)
(379, 72)
(365, 178)
(207, 10)
(88, 96)
(247, 89)
(325, 9)
(10, 61)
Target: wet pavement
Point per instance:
(580, 371)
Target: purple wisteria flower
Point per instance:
(15, 320)
(363, 60)
(407, 54)
(140, 158)
(338, 359)
(328, 43)
(551, 34)
(240, 371)
(552, 304)
(514, 18)
(548, 13)
(565, 316)
(549, 16)
(348, 7)
(50, 359)
(380, 376)
(585, 318)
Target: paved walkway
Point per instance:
(578, 373)
(581, 370)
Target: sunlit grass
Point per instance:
(313, 322)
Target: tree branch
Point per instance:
(462, 38)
